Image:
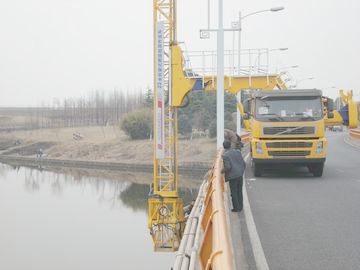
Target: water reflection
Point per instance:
(108, 189)
(135, 196)
(55, 218)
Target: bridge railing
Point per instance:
(245, 138)
(206, 241)
(187, 255)
(355, 134)
(215, 249)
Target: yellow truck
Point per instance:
(288, 128)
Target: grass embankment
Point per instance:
(97, 144)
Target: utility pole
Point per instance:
(238, 95)
(220, 79)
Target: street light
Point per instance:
(298, 81)
(283, 70)
(329, 87)
(268, 55)
(236, 26)
(267, 51)
(274, 9)
(305, 79)
(288, 67)
(279, 49)
(238, 95)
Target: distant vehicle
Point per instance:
(337, 128)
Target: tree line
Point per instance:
(132, 110)
(99, 108)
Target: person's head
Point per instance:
(226, 144)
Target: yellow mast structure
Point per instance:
(166, 216)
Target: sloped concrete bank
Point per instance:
(184, 168)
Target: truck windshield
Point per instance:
(270, 108)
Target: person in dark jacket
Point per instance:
(234, 139)
(234, 167)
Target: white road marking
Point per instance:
(251, 179)
(257, 248)
(347, 141)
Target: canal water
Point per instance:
(53, 220)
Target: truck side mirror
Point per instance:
(246, 106)
(330, 105)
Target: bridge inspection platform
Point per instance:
(292, 220)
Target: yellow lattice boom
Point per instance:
(166, 216)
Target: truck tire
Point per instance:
(317, 169)
(257, 169)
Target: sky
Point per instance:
(67, 48)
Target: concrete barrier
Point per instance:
(355, 134)
(245, 138)
(215, 249)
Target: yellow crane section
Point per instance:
(182, 85)
(347, 114)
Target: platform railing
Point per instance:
(203, 63)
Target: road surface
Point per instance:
(305, 222)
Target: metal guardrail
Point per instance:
(355, 134)
(187, 255)
(215, 249)
(245, 138)
(208, 224)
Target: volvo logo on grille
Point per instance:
(300, 130)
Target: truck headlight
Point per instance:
(259, 149)
(319, 147)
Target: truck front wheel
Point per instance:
(257, 169)
(316, 169)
